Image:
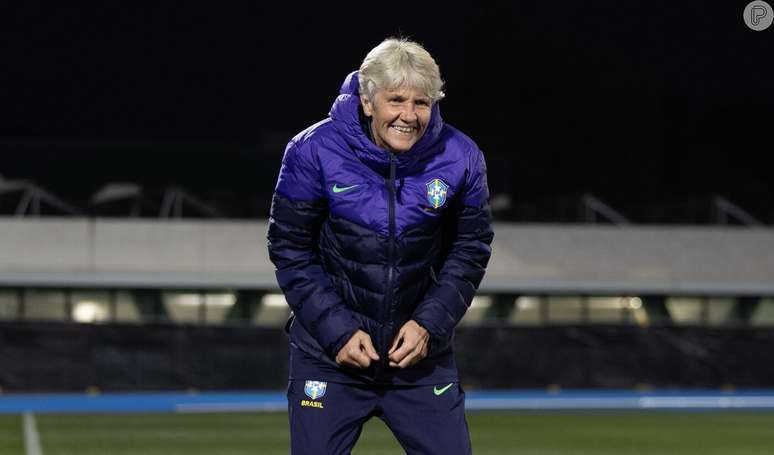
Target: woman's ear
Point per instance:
(368, 108)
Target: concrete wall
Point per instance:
(675, 260)
(134, 253)
(526, 258)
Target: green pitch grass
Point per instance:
(11, 437)
(599, 433)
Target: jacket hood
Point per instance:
(345, 114)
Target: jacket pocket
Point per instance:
(289, 322)
(433, 277)
(304, 341)
(344, 290)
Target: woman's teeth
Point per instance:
(403, 129)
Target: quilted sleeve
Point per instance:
(298, 208)
(450, 295)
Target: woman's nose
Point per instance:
(409, 113)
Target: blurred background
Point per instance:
(627, 147)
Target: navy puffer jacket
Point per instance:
(363, 238)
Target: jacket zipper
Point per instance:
(387, 327)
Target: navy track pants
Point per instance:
(426, 419)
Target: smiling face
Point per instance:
(399, 117)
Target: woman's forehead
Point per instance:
(405, 91)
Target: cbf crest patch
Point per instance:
(315, 389)
(436, 192)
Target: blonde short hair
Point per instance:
(398, 62)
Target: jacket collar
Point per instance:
(346, 117)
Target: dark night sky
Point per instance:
(643, 103)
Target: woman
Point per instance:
(380, 233)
